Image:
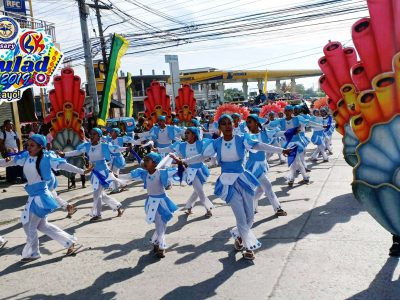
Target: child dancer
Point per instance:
(117, 159)
(291, 122)
(258, 166)
(318, 137)
(329, 129)
(236, 185)
(98, 153)
(197, 172)
(158, 207)
(272, 124)
(239, 125)
(37, 164)
(163, 135)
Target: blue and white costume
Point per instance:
(41, 201)
(241, 129)
(117, 161)
(329, 122)
(196, 173)
(163, 137)
(275, 139)
(236, 186)
(101, 177)
(297, 140)
(318, 139)
(257, 165)
(211, 130)
(159, 207)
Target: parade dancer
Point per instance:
(258, 166)
(159, 207)
(318, 137)
(101, 177)
(117, 159)
(292, 123)
(236, 185)
(196, 173)
(304, 121)
(271, 125)
(239, 125)
(37, 164)
(163, 135)
(329, 130)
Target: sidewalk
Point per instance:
(327, 247)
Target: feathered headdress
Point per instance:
(231, 109)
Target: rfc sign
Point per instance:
(15, 6)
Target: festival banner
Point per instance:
(129, 98)
(28, 58)
(118, 49)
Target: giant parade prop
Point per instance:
(364, 96)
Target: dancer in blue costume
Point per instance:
(239, 126)
(236, 185)
(318, 137)
(163, 135)
(257, 165)
(197, 172)
(159, 207)
(289, 123)
(329, 124)
(101, 177)
(37, 166)
(117, 159)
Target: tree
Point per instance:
(233, 94)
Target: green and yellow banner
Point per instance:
(129, 99)
(118, 49)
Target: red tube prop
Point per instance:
(76, 93)
(381, 12)
(67, 78)
(359, 77)
(396, 27)
(338, 62)
(364, 40)
(327, 88)
(327, 70)
(351, 56)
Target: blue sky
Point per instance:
(296, 48)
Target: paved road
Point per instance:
(328, 247)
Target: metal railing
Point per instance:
(28, 22)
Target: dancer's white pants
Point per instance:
(115, 183)
(198, 193)
(296, 165)
(35, 223)
(159, 234)
(100, 197)
(319, 150)
(266, 187)
(243, 209)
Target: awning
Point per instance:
(116, 104)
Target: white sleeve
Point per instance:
(74, 153)
(5, 164)
(67, 167)
(264, 147)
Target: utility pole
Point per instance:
(83, 15)
(97, 7)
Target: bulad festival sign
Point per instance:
(28, 58)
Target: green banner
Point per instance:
(118, 49)
(129, 99)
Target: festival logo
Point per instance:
(28, 58)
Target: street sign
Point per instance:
(15, 6)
